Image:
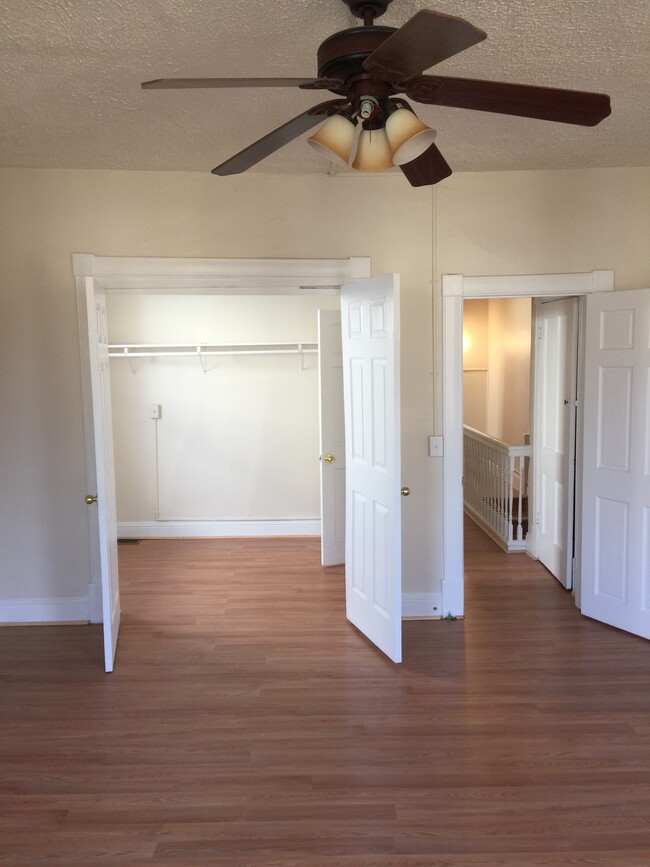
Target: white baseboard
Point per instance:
(421, 605)
(190, 529)
(66, 610)
(95, 604)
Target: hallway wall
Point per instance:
(496, 367)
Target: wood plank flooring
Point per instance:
(247, 723)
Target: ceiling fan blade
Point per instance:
(522, 100)
(426, 39)
(427, 169)
(281, 136)
(176, 83)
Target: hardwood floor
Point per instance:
(247, 723)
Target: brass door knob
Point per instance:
(329, 458)
(405, 492)
(89, 499)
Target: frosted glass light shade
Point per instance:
(408, 136)
(374, 153)
(334, 139)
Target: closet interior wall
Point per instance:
(237, 436)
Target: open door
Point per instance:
(615, 571)
(104, 463)
(370, 332)
(556, 357)
(332, 438)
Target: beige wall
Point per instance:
(520, 222)
(48, 215)
(539, 223)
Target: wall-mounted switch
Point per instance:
(155, 410)
(435, 447)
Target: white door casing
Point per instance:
(179, 276)
(370, 331)
(554, 427)
(456, 287)
(616, 462)
(105, 468)
(332, 438)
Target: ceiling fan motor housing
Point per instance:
(341, 55)
(359, 7)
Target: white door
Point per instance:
(616, 472)
(104, 463)
(556, 353)
(332, 438)
(370, 331)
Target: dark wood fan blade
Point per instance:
(175, 83)
(281, 136)
(521, 100)
(426, 39)
(427, 169)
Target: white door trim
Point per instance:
(192, 276)
(455, 288)
(131, 275)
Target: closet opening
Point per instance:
(215, 405)
(156, 291)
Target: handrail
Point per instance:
(496, 443)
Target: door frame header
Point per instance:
(161, 275)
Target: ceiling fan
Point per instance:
(367, 67)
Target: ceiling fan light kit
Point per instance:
(409, 137)
(335, 139)
(366, 68)
(374, 153)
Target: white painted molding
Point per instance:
(53, 610)
(421, 605)
(360, 267)
(452, 461)
(455, 288)
(130, 274)
(453, 598)
(215, 529)
(524, 285)
(603, 281)
(452, 285)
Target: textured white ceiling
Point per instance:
(70, 73)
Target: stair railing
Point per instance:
(495, 480)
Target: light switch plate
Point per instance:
(155, 410)
(435, 447)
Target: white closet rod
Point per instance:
(152, 350)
